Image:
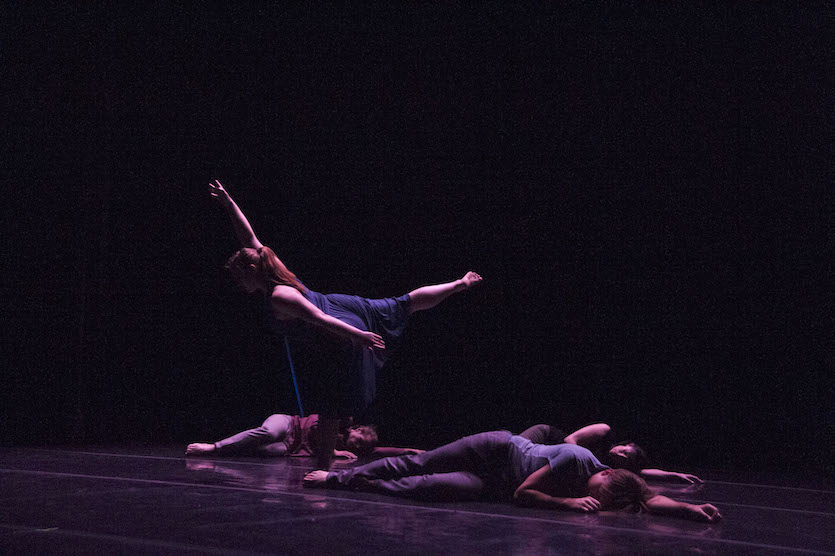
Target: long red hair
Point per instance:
(268, 267)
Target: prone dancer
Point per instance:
(501, 466)
(292, 435)
(620, 455)
(354, 329)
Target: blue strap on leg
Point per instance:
(293, 374)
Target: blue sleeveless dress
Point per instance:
(338, 376)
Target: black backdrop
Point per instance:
(641, 187)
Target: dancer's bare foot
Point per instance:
(315, 479)
(199, 448)
(471, 278)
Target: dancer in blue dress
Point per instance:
(352, 335)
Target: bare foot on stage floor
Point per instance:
(199, 448)
(315, 479)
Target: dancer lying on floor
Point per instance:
(352, 331)
(620, 455)
(291, 435)
(499, 465)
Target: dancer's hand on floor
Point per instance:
(585, 504)
(705, 512)
(344, 454)
(315, 479)
(471, 278)
(688, 478)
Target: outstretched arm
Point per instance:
(532, 493)
(391, 451)
(662, 505)
(239, 222)
(588, 435)
(289, 302)
(661, 475)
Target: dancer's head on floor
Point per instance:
(619, 489)
(361, 439)
(626, 455)
(260, 270)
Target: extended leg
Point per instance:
(429, 296)
(272, 430)
(480, 454)
(456, 486)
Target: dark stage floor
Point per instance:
(155, 501)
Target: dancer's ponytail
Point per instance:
(273, 270)
(268, 267)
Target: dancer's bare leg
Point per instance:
(429, 296)
(327, 431)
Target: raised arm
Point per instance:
(532, 493)
(588, 435)
(239, 222)
(662, 505)
(288, 302)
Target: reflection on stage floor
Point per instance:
(155, 500)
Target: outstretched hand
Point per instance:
(217, 191)
(372, 340)
(688, 478)
(471, 278)
(706, 512)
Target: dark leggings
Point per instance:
(472, 467)
(268, 439)
(544, 434)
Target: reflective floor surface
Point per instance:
(156, 501)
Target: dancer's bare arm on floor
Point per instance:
(661, 475)
(591, 434)
(532, 493)
(240, 224)
(379, 452)
(661, 505)
(290, 303)
(391, 451)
